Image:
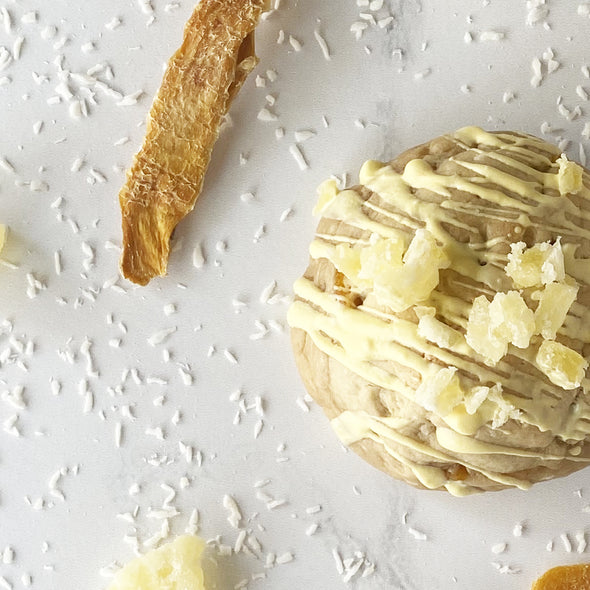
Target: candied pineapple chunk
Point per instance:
(381, 256)
(536, 266)
(564, 366)
(424, 250)
(441, 392)
(434, 330)
(326, 192)
(569, 176)
(477, 395)
(554, 303)
(401, 283)
(337, 204)
(504, 410)
(174, 566)
(347, 260)
(565, 577)
(479, 336)
(399, 275)
(511, 320)
(492, 326)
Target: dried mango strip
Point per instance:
(166, 177)
(565, 577)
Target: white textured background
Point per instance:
(377, 101)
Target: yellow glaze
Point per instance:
(365, 338)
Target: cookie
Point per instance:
(442, 322)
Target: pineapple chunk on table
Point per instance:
(174, 566)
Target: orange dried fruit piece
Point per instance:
(166, 177)
(565, 577)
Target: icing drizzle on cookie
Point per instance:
(415, 248)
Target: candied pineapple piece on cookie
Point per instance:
(554, 303)
(564, 366)
(335, 203)
(434, 330)
(511, 320)
(536, 266)
(400, 282)
(565, 577)
(381, 257)
(440, 392)
(569, 176)
(348, 260)
(174, 566)
(493, 325)
(479, 335)
(326, 192)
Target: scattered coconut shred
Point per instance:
(138, 392)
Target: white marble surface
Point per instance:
(377, 101)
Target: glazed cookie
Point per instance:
(443, 321)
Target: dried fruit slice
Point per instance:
(565, 577)
(166, 177)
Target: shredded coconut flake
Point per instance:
(323, 45)
(161, 336)
(298, 156)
